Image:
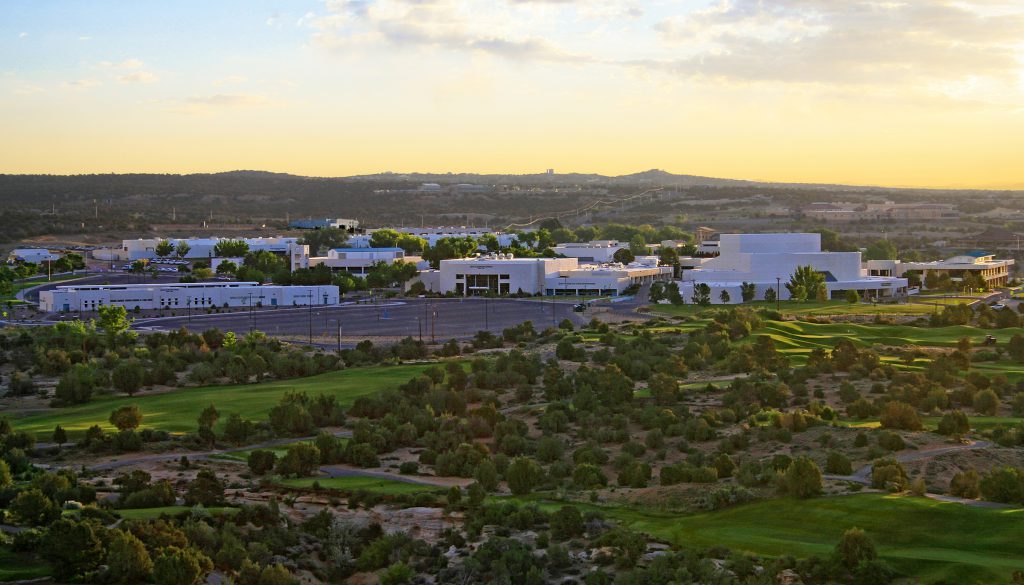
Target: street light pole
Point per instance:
(778, 291)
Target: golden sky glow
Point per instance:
(915, 93)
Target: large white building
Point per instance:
(199, 295)
(984, 264)
(433, 234)
(597, 251)
(199, 248)
(33, 255)
(359, 260)
(769, 260)
(503, 274)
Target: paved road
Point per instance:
(863, 475)
(455, 318)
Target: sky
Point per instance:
(921, 93)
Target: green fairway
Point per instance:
(918, 536)
(19, 567)
(243, 456)
(931, 423)
(924, 538)
(177, 411)
(812, 308)
(387, 487)
(151, 513)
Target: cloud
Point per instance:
(22, 35)
(138, 77)
(80, 84)
(219, 102)
(84, 39)
(849, 42)
(441, 24)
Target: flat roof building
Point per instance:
(503, 274)
(318, 224)
(769, 260)
(359, 260)
(33, 255)
(183, 296)
(597, 251)
(983, 264)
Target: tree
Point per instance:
(230, 248)
(128, 376)
(724, 296)
(986, 402)
(177, 566)
(881, 250)
(888, 474)
(624, 256)
(164, 248)
(301, 460)
(72, 548)
(854, 548)
(277, 574)
(802, 478)
(966, 484)
(852, 297)
(838, 464)
(127, 558)
(261, 461)
(566, 523)
(60, 436)
(748, 291)
(673, 295)
(126, 417)
(182, 250)
(113, 321)
(954, 424)
(205, 489)
(900, 415)
(1003, 484)
(1016, 347)
(31, 507)
(770, 295)
(486, 475)
(226, 267)
(327, 239)
(701, 294)
(664, 389)
(805, 283)
(5, 474)
(209, 416)
(523, 475)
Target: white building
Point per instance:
(359, 260)
(769, 260)
(433, 234)
(318, 224)
(597, 251)
(503, 274)
(994, 272)
(199, 248)
(34, 255)
(184, 296)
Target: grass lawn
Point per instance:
(243, 456)
(388, 487)
(927, 539)
(152, 513)
(931, 423)
(808, 308)
(177, 411)
(17, 567)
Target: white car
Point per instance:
(999, 306)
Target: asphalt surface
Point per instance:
(438, 319)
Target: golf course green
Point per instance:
(177, 411)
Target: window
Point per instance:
(505, 277)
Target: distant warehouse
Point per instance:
(348, 225)
(196, 295)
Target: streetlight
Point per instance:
(778, 291)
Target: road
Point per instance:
(863, 475)
(440, 319)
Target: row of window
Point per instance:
(500, 276)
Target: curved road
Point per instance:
(863, 475)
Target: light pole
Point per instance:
(188, 303)
(487, 311)
(778, 290)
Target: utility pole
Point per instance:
(778, 296)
